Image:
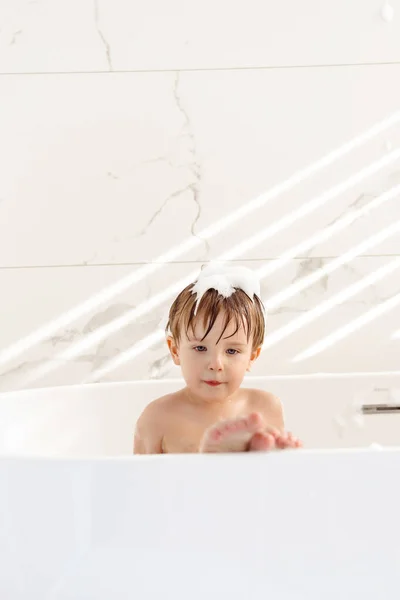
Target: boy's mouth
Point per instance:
(213, 382)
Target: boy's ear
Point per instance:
(253, 357)
(174, 350)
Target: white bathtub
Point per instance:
(80, 518)
(98, 420)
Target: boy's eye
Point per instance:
(230, 351)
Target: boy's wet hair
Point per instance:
(238, 308)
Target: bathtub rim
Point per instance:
(180, 381)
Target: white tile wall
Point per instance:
(127, 129)
(121, 35)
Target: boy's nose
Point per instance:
(216, 363)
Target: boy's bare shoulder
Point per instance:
(267, 404)
(151, 425)
(261, 397)
(159, 408)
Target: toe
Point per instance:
(283, 441)
(261, 442)
(294, 441)
(287, 440)
(254, 421)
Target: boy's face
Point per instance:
(206, 361)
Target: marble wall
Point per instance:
(140, 139)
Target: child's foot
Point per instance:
(233, 435)
(245, 434)
(273, 440)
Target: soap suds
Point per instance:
(225, 280)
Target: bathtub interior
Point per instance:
(99, 419)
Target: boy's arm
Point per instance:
(148, 435)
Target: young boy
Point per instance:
(215, 333)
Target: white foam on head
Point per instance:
(225, 280)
